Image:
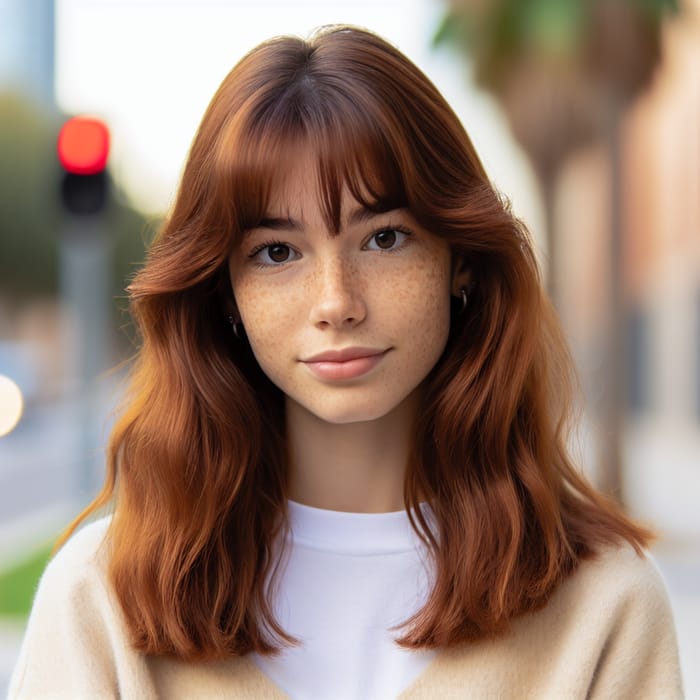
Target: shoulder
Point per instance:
(74, 584)
(74, 631)
(84, 545)
(606, 632)
(618, 578)
(621, 567)
(615, 610)
(615, 589)
(81, 560)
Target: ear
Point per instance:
(461, 275)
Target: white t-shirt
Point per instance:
(347, 579)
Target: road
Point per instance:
(55, 455)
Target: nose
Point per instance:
(337, 299)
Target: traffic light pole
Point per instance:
(84, 275)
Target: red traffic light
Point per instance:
(83, 146)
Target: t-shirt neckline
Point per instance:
(363, 534)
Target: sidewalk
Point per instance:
(680, 566)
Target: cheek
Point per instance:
(264, 317)
(429, 301)
(417, 314)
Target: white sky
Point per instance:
(150, 67)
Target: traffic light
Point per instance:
(83, 149)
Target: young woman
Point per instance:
(341, 471)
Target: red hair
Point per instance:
(197, 469)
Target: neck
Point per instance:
(355, 467)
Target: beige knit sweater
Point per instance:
(607, 633)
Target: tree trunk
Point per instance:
(548, 185)
(614, 390)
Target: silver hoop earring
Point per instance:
(464, 299)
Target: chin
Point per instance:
(350, 412)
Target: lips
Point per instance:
(345, 354)
(350, 363)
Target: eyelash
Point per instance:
(383, 229)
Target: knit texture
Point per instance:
(607, 632)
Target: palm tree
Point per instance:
(564, 72)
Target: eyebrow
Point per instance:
(358, 216)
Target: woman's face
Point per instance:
(383, 284)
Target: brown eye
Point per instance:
(278, 253)
(385, 239)
(389, 240)
(273, 254)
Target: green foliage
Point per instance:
(655, 9)
(512, 25)
(18, 584)
(499, 34)
(28, 204)
(553, 25)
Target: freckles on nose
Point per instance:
(335, 275)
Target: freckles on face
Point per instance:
(420, 316)
(341, 292)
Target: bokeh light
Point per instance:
(11, 405)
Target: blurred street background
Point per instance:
(586, 114)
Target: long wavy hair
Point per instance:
(196, 464)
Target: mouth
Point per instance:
(348, 368)
(345, 354)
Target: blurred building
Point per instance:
(661, 280)
(27, 49)
(29, 331)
